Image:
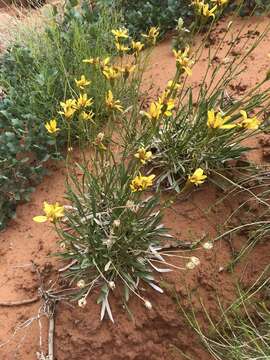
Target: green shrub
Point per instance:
(36, 74)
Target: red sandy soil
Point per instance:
(150, 334)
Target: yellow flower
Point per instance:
(69, 108)
(97, 61)
(83, 101)
(167, 105)
(143, 155)
(51, 126)
(183, 61)
(198, 177)
(154, 111)
(249, 123)
(220, 2)
(111, 73)
(111, 103)
(171, 85)
(82, 82)
(140, 182)
(120, 33)
(218, 121)
(208, 13)
(152, 35)
(86, 116)
(137, 46)
(121, 47)
(126, 70)
(52, 212)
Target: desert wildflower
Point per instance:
(198, 177)
(82, 302)
(51, 126)
(147, 304)
(52, 213)
(82, 82)
(137, 46)
(249, 123)
(111, 103)
(171, 85)
(152, 35)
(81, 284)
(120, 33)
(83, 101)
(110, 73)
(121, 48)
(208, 13)
(140, 182)
(220, 2)
(218, 121)
(167, 105)
(143, 155)
(87, 116)
(69, 108)
(126, 70)
(154, 111)
(183, 61)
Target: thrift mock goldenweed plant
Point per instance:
(188, 134)
(111, 233)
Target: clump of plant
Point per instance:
(40, 70)
(205, 132)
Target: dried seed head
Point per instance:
(111, 285)
(147, 304)
(190, 265)
(208, 245)
(82, 302)
(62, 246)
(195, 260)
(100, 136)
(116, 223)
(81, 284)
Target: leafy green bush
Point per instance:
(36, 74)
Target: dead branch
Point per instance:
(18, 303)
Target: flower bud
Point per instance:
(82, 302)
(81, 284)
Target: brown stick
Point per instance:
(18, 303)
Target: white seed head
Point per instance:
(111, 285)
(116, 223)
(81, 284)
(62, 246)
(208, 245)
(147, 304)
(82, 302)
(195, 260)
(100, 136)
(190, 265)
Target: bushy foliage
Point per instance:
(36, 75)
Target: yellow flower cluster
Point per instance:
(183, 62)
(141, 183)
(218, 121)
(157, 109)
(143, 155)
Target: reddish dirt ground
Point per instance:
(149, 335)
